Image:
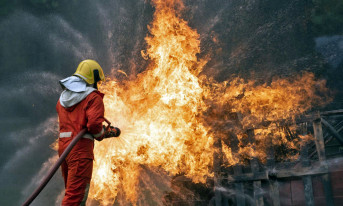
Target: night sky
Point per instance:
(41, 44)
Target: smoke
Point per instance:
(27, 158)
(256, 39)
(69, 39)
(50, 193)
(232, 193)
(35, 52)
(331, 47)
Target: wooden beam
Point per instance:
(312, 116)
(307, 179)
(258, 194)
(248, 177)
(327, 138)
(283, 173)
(319, 140)
(302, 171)
(239, 187)
(326, 180)
(308, 190)
(273, 183)
(332, 131)
(217, 160)
(333, 112)
(274, 192)
(237, 169)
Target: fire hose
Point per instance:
(58, 164)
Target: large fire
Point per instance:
(170, 116)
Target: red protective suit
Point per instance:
(78, 165)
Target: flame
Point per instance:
(170, 116)
(157, 112)
(121, 71)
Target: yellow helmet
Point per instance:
(90, 71)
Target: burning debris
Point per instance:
(173, 118)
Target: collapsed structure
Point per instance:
(313, 179)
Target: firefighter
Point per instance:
(81, 106)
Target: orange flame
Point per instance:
(157, 113)
(170, 117)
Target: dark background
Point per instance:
(42, 41)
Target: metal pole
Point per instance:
(54, 169)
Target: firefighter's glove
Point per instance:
(112, 132)
(101, 137)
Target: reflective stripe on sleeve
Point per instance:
(68, 134)
(99, 134)
(88, 136)
(65, 134)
